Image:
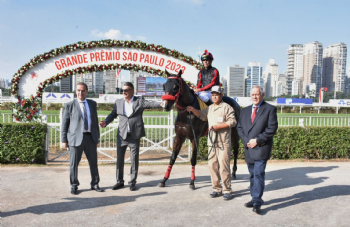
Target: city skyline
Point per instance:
(24, 31)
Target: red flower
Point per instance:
(23, 102)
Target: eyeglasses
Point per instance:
(126, 90)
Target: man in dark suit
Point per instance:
(80, 132)
(130, 131)
(256, 128)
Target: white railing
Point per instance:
(313, 121)
(5, 118)
(156, 146)
(164, 120)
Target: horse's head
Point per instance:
(172, 89)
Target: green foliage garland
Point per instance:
(26, 109)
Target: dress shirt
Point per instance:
(128, 109)
(81, 103)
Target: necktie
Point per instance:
(86, 124)
(254, 114)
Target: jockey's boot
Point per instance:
(208, 103)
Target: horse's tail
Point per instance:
(236, 107)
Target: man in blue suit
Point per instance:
(256, 127)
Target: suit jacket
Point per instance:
(263, 129)
(73, 123)
(135, 120)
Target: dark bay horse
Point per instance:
(178, 92)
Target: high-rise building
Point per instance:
(93, 80)
(254, 77)
(97, 82)
(2, 83)
(235, 81)
(334, 67)
(133, 79)
(66, 84)
(271, 78)
(312, 66)
(223, 81)
(347, 82)
(294, 74)
(110, 81)
(88, 80)
(281, 88)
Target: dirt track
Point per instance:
(296, 194)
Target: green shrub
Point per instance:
(307, 143)
(22, 142)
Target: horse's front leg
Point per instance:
(193, 163)
(178, 141)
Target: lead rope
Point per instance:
(210, 137)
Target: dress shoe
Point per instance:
(249, 204)
(74, 191)
(132, 187)
(215, 194)
(97, 188)
(257, 209)
(118, 186)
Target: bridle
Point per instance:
(177, 95)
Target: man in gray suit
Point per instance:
(80, 132)
(130, 131)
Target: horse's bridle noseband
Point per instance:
(177, 95)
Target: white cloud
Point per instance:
(114, 34)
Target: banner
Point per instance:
(340, 102)
(109, 98)
(294, 102)
(243, 101)
(150, 86)
(57, 97)
(79, 58)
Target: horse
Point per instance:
(189, 126)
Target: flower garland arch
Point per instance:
(26, 110)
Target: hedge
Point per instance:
(22, 142)
(305, 143)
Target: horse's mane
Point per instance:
(191, 90)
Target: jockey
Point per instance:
(207, 78)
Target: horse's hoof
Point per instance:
(192, 186)
(234, 177)
(161, 185)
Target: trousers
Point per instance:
(219, 167)
(90, 149)
(204, 95)
(257, 181)
(134, 145)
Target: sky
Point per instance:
(236, 32)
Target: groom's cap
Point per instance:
(216, 88)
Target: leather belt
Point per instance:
(87, 133)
